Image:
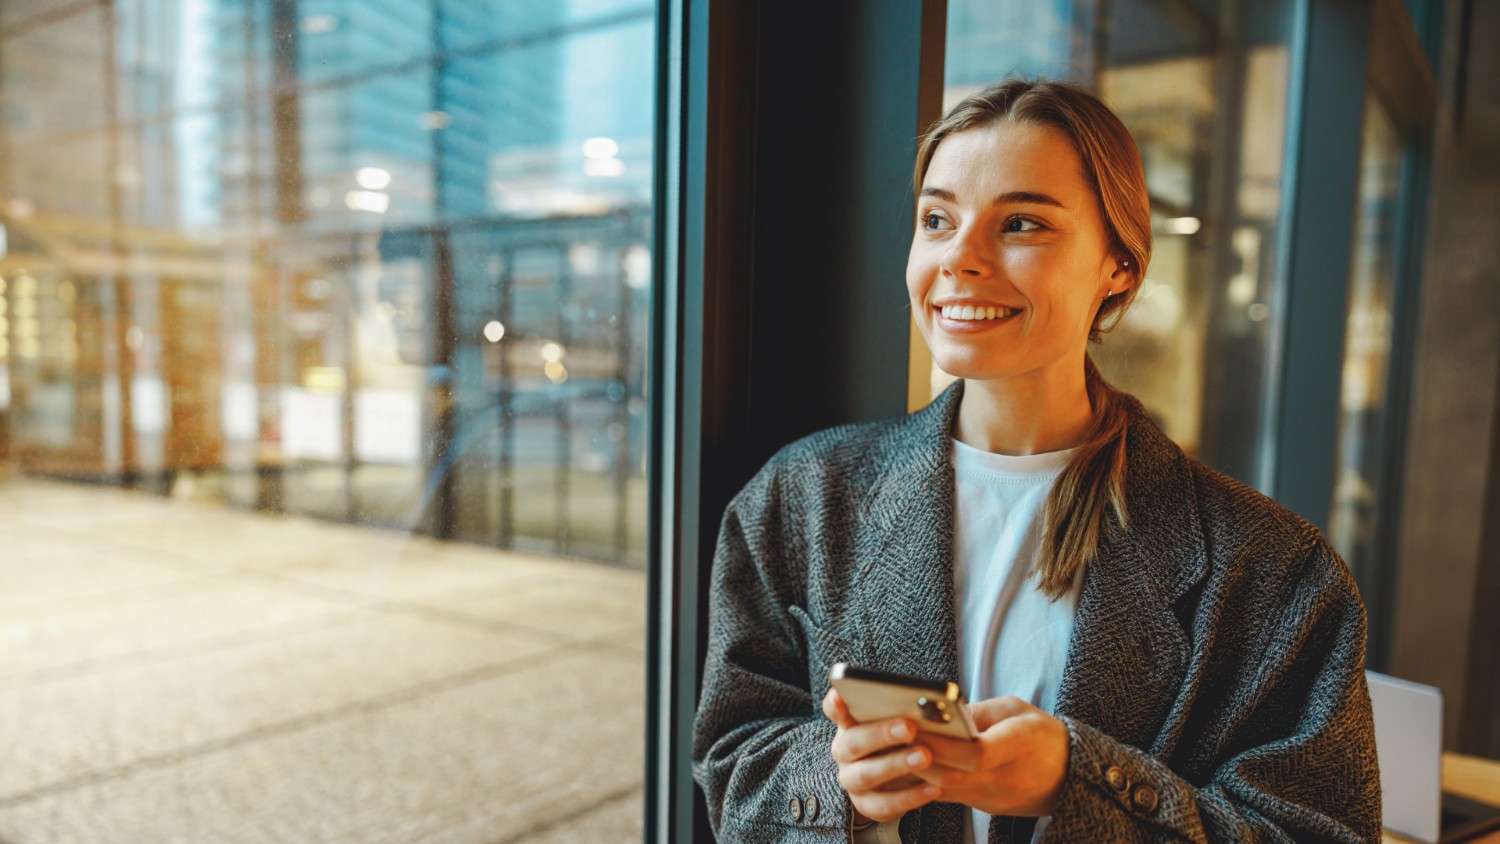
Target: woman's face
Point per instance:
(1007, 219)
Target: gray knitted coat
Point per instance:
(1214, 688)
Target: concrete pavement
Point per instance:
(182, 671)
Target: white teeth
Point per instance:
(970, 312)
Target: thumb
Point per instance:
(836, 710)
(990, 711)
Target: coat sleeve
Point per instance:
(760, 740)
(1301, 764)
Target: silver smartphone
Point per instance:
(936, 706)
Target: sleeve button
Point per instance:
(1115, 776)
(1144, 797)
(796, 807)
(812, 807)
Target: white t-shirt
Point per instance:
(1012, 638)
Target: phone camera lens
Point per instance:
(934, 710)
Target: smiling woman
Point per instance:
(1151, 647)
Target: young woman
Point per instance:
(1153, 650)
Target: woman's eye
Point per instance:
(933, 220)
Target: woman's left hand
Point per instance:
(1015, 768)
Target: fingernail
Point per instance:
(914, 758)
(930, 791)
(900, 730)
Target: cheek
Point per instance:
(919, 274)
(1050, 276)
(1034, 272)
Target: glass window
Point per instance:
(323, 333)
(1363, 414)
(1202, 87)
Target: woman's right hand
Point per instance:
(875, 763)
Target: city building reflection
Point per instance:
(381, 263)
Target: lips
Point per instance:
(970, 326)
(974, 303)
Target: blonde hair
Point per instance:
(1094, 480)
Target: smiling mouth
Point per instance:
(972, 324)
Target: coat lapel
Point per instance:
(1128, 652)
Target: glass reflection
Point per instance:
(1352, 525)
(288, 226)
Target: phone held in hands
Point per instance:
(936, 706)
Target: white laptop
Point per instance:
(1409, 743)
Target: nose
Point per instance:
(968, 253)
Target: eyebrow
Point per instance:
(1010, 196)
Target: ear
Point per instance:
(1121, 278)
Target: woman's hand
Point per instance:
(873, 763)
(1016, 767)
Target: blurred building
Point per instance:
(378, 262)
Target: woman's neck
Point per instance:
(1023, 415)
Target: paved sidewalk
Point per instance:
(178, 671)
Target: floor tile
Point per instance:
(57, 731)
(472, 764)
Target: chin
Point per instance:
(968, 367)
